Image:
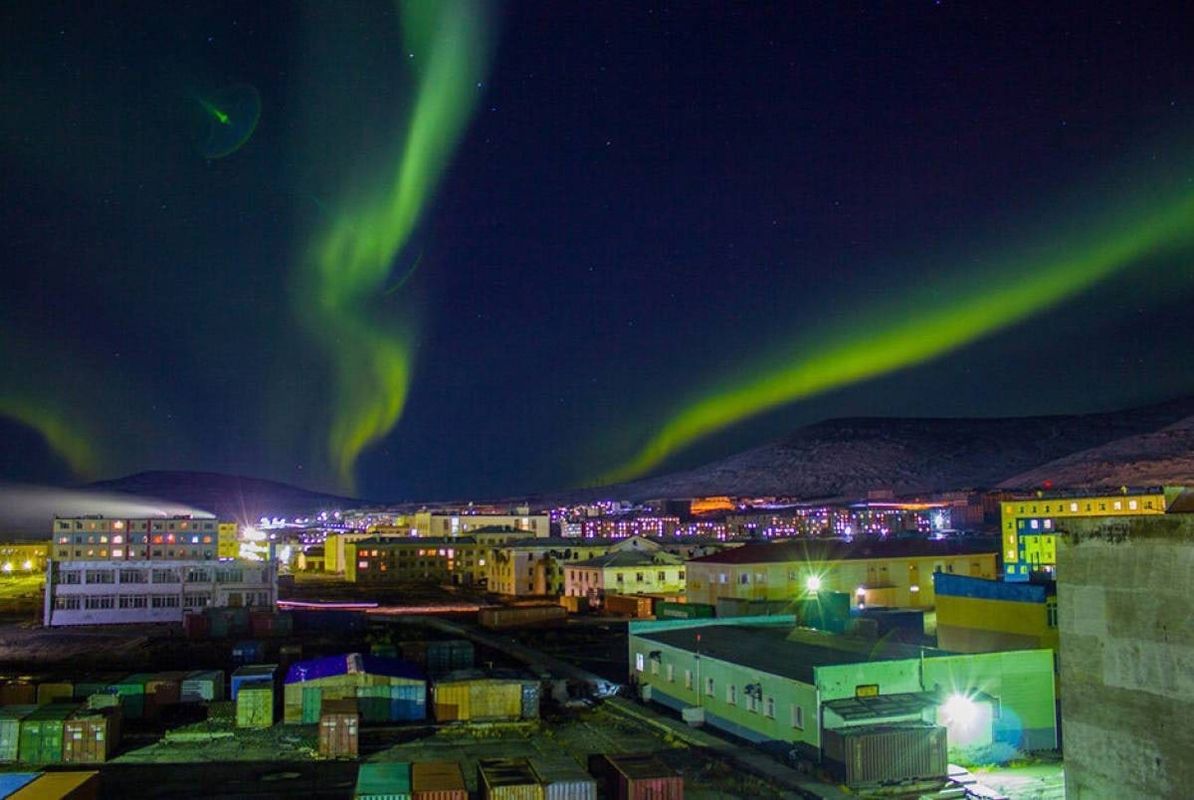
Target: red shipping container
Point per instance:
(339, 729)
(18, 693)
(637, 777)
(437, 780)
(261, 624)
(164, 689)
(196, 626)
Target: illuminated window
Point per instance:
(1074, 508)
(362, 565)
(687, 679)
(1131, 505)
(1119, 505)
(638, 662)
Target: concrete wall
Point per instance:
(1127, 656)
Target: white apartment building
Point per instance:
(105, 593)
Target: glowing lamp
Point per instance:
(813, 583)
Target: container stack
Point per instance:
(672, 610)
(476, 696)
(386, 690)
(437, 780)
(248, 652)
(339, 729)
(41, 733)
(443, 657)
(497, 617)
(10, 731)
(18, 692)
(254, 675)
(383, 781)
(508, 779)
(55, 692)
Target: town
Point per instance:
(878, 647)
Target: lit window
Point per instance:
(1132, 505)
(638, 662)
(362, 565)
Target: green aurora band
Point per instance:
(60, 432)
(886, 340)
(371, 347)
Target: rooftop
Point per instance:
(795, 550)
(630, 558)
(779, 650)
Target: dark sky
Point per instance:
(652, 206)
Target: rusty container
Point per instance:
(339, 729)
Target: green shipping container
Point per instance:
(41, 733)
(10, 730)
(312, 704)
(670, 610)
(132, 694)
(383, 781)
(255, 707)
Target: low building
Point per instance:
(625, 572)
(537, 566)
(976, 615)
(97, 538)
(23, 558)
(881, 572)
(92, 593)
(782, 687)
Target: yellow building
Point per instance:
(975, 615)
(1028, 523)
(427, 523)
(625, 572)
(888, 572)
(227, 540)
(458, 561)
(23, 558)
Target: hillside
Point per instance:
(1148, 459)
(849, 457)
(227, 496)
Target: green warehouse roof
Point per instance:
(781, 651)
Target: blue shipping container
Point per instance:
(254, 675)
(392, 703)
(249, 652)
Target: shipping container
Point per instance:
(270, 624)
(384, 649)
(672, 610)
(41, 733)
(255, 706)
(473, 696)
(55, 692)
(508, 779)
(745, 607)
(633, 606)
(105, 700)
(18, 692)
(449, 655)
(131, 690)
(497, 617)
(96, 683)
(403, 703)
(637, 777)
(253, 675)
(60, 786)
(164, 689)
(564, 779)
(389, 780)
(309, 683)
(195, 625)
(872, 753)
(248, 652)
(437, 780)
(224, 621)
(202, 686)
(573, 604)
(339, 729)
(289, 653)
(11, 781)
(10, 730)
(91, 736)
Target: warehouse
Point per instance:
(975, 615)
(767, 682)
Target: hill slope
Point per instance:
(227, 496)
(849, 457)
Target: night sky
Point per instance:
(462, 249)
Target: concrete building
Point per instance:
(863, 518)
(1127, 649)
(625, 527)
(414, 559)
(762, 680)
(537, 566)
(227, 540)
(976, 615)
(883, 572)
(166, 538)
(89, 592)
(626, 571)
(427, 523)
(1028, 524)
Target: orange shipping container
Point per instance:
(60, 786)
(514, 616)
(437, 780)
(339, 729)
(637, 777)
(629, 605)
(91, 737)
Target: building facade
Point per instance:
(166, 538)
(625, 572)
(976, 615)
(1028, 524)
(92, 592)
(887, 572)
(409, 559)
(770, 684)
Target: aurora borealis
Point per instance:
(435, 249)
